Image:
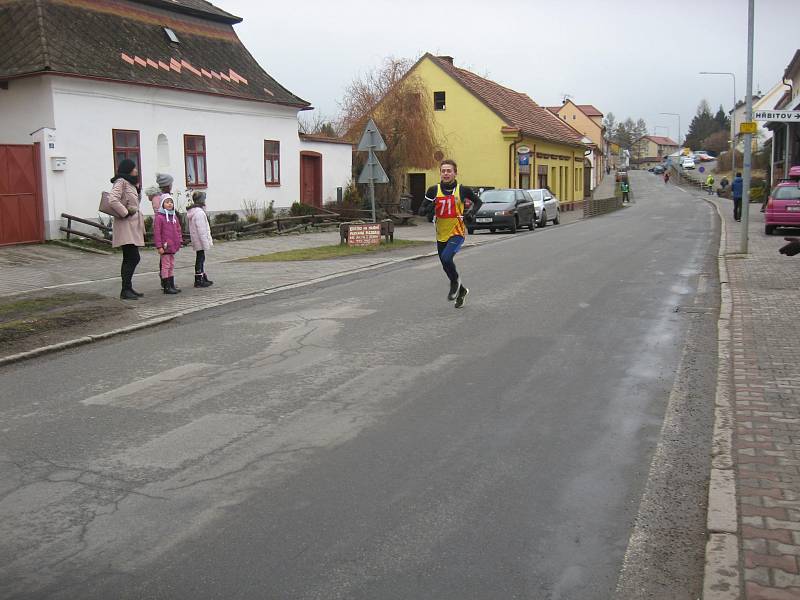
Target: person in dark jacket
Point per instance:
(736, 191)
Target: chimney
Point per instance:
(447, 59)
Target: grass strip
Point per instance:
(333, 251)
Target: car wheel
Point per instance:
(769, 229)
(532, 222)
(557, 220)
(513, 228)
(543, 220)
(492, 229)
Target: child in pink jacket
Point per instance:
(200, 232)
(167, 237)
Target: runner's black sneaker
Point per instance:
(454, 286)
(462, 294)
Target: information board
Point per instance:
(368, 234)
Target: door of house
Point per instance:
(21, 208)
(416, 186)
(587, 179)
(311, 178)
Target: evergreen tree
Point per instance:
(703, 125)
(722, 119)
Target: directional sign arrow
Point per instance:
(371, 140)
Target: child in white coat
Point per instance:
(200, 233)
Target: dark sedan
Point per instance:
(504, 209)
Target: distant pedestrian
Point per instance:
(625, 188)
(736, 191)
(200, 232)
(167, 238)
(128, 228)
(608, 169)
(666, 177)
(723, 186)
(710, 183)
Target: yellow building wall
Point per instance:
(578, 120)
(467, 130)
(470, 133)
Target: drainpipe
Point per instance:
(534, 174)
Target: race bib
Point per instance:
(446, 207)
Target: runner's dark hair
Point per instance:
(449, 161)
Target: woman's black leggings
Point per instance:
(199, 262)
(130, 258)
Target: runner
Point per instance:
(451, 203)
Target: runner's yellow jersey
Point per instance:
(449, 212)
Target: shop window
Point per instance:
(272, 162)
(438, 101)
(126, 145)
(194, 152)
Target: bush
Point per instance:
(299, 209)
(225, 217)
(269, 211)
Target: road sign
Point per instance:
(368, 234)
(748, 127)
(777, 115)
(371, 140)
(702, 169)
(373, 171)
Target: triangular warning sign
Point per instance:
(371, 140)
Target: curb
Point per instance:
(722, 576)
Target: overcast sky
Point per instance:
(635, 58)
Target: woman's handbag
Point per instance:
(105, 205)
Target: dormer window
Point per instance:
(171, 35)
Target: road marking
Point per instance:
(189, 442)
(148, 392)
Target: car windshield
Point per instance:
(786, 192)
(497, 197)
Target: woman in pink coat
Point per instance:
(167, 238)
(128, 228)
(200, 232)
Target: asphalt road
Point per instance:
(363, 439)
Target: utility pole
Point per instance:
(748, 136)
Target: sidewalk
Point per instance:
(754, 505)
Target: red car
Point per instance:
(783, 205)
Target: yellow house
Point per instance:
(500, 138)
(586, 119)
(651, 150)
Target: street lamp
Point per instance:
(733, 117)
(679, 124)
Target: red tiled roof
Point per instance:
(589, 110)
(518, 110)
(124, 41)
(661, 140)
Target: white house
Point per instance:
(167, 83)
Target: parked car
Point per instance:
(546, 206)
(687, 163)
(504, 209)
(783, 204)
(703, 156)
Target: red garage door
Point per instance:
(20, 197)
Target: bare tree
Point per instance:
(314, 123)
(401, 107)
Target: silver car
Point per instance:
(546, 205)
